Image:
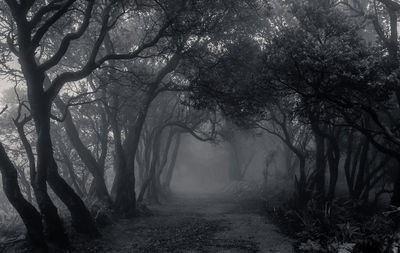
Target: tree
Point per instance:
(383, 15)
(57, 43)
(30, 216)
(168, 120)
(95, 166)
(240, 153)
(320, 64)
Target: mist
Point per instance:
(199, 126)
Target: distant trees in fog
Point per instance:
(105, 90)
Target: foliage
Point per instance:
(339, 226)
(306, 77)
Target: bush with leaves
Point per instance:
(338, 226)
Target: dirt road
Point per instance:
(194, 224)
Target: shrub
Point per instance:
(338, 226)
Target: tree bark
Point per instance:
(302, 182)
(123, 191)
(157, 187)
(320, 167)
(170, 170)
(333, 161)
(41, 114)
(234, 171)
(333, 153)
(47, 169)
(124, 181)
(156, 143)
(30, 216)
(54, 225)
(362, 170)
(82, 220)
(25, 183)
(100, 188)
(395, 200)
(70, 170)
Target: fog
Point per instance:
(200, 167)
(200, 126)
(204, 167)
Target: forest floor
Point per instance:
(193, 224)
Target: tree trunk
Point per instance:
(288, 160)
(347, 162)
(54, 225)
(158, 189)
(170, 170)
(319, 163)
(124, 181)
(70, 172)
(123, 189)
(25, 183)
(395, 200)
(41, 114)
(30, 216)
(234, 172)
(156, 143)
(362, 170)
(40, 107)
(140, 162)
(302, 187)
(82, 220)
(100, 188)
(28, 149)
(333, 161)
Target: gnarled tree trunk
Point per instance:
(100, 188)
(30, 216)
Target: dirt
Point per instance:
(192, 224)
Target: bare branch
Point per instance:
(68, 38)
(53, 6)
(4, 109)
(191, 131)
(136, 53)
(46, 26)
(90, 65)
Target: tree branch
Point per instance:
(54, 60)
(46, 26)
(53, 6)
(4, 109)
(90, 65)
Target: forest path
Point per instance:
(195, 224)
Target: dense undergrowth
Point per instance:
(342, 225)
